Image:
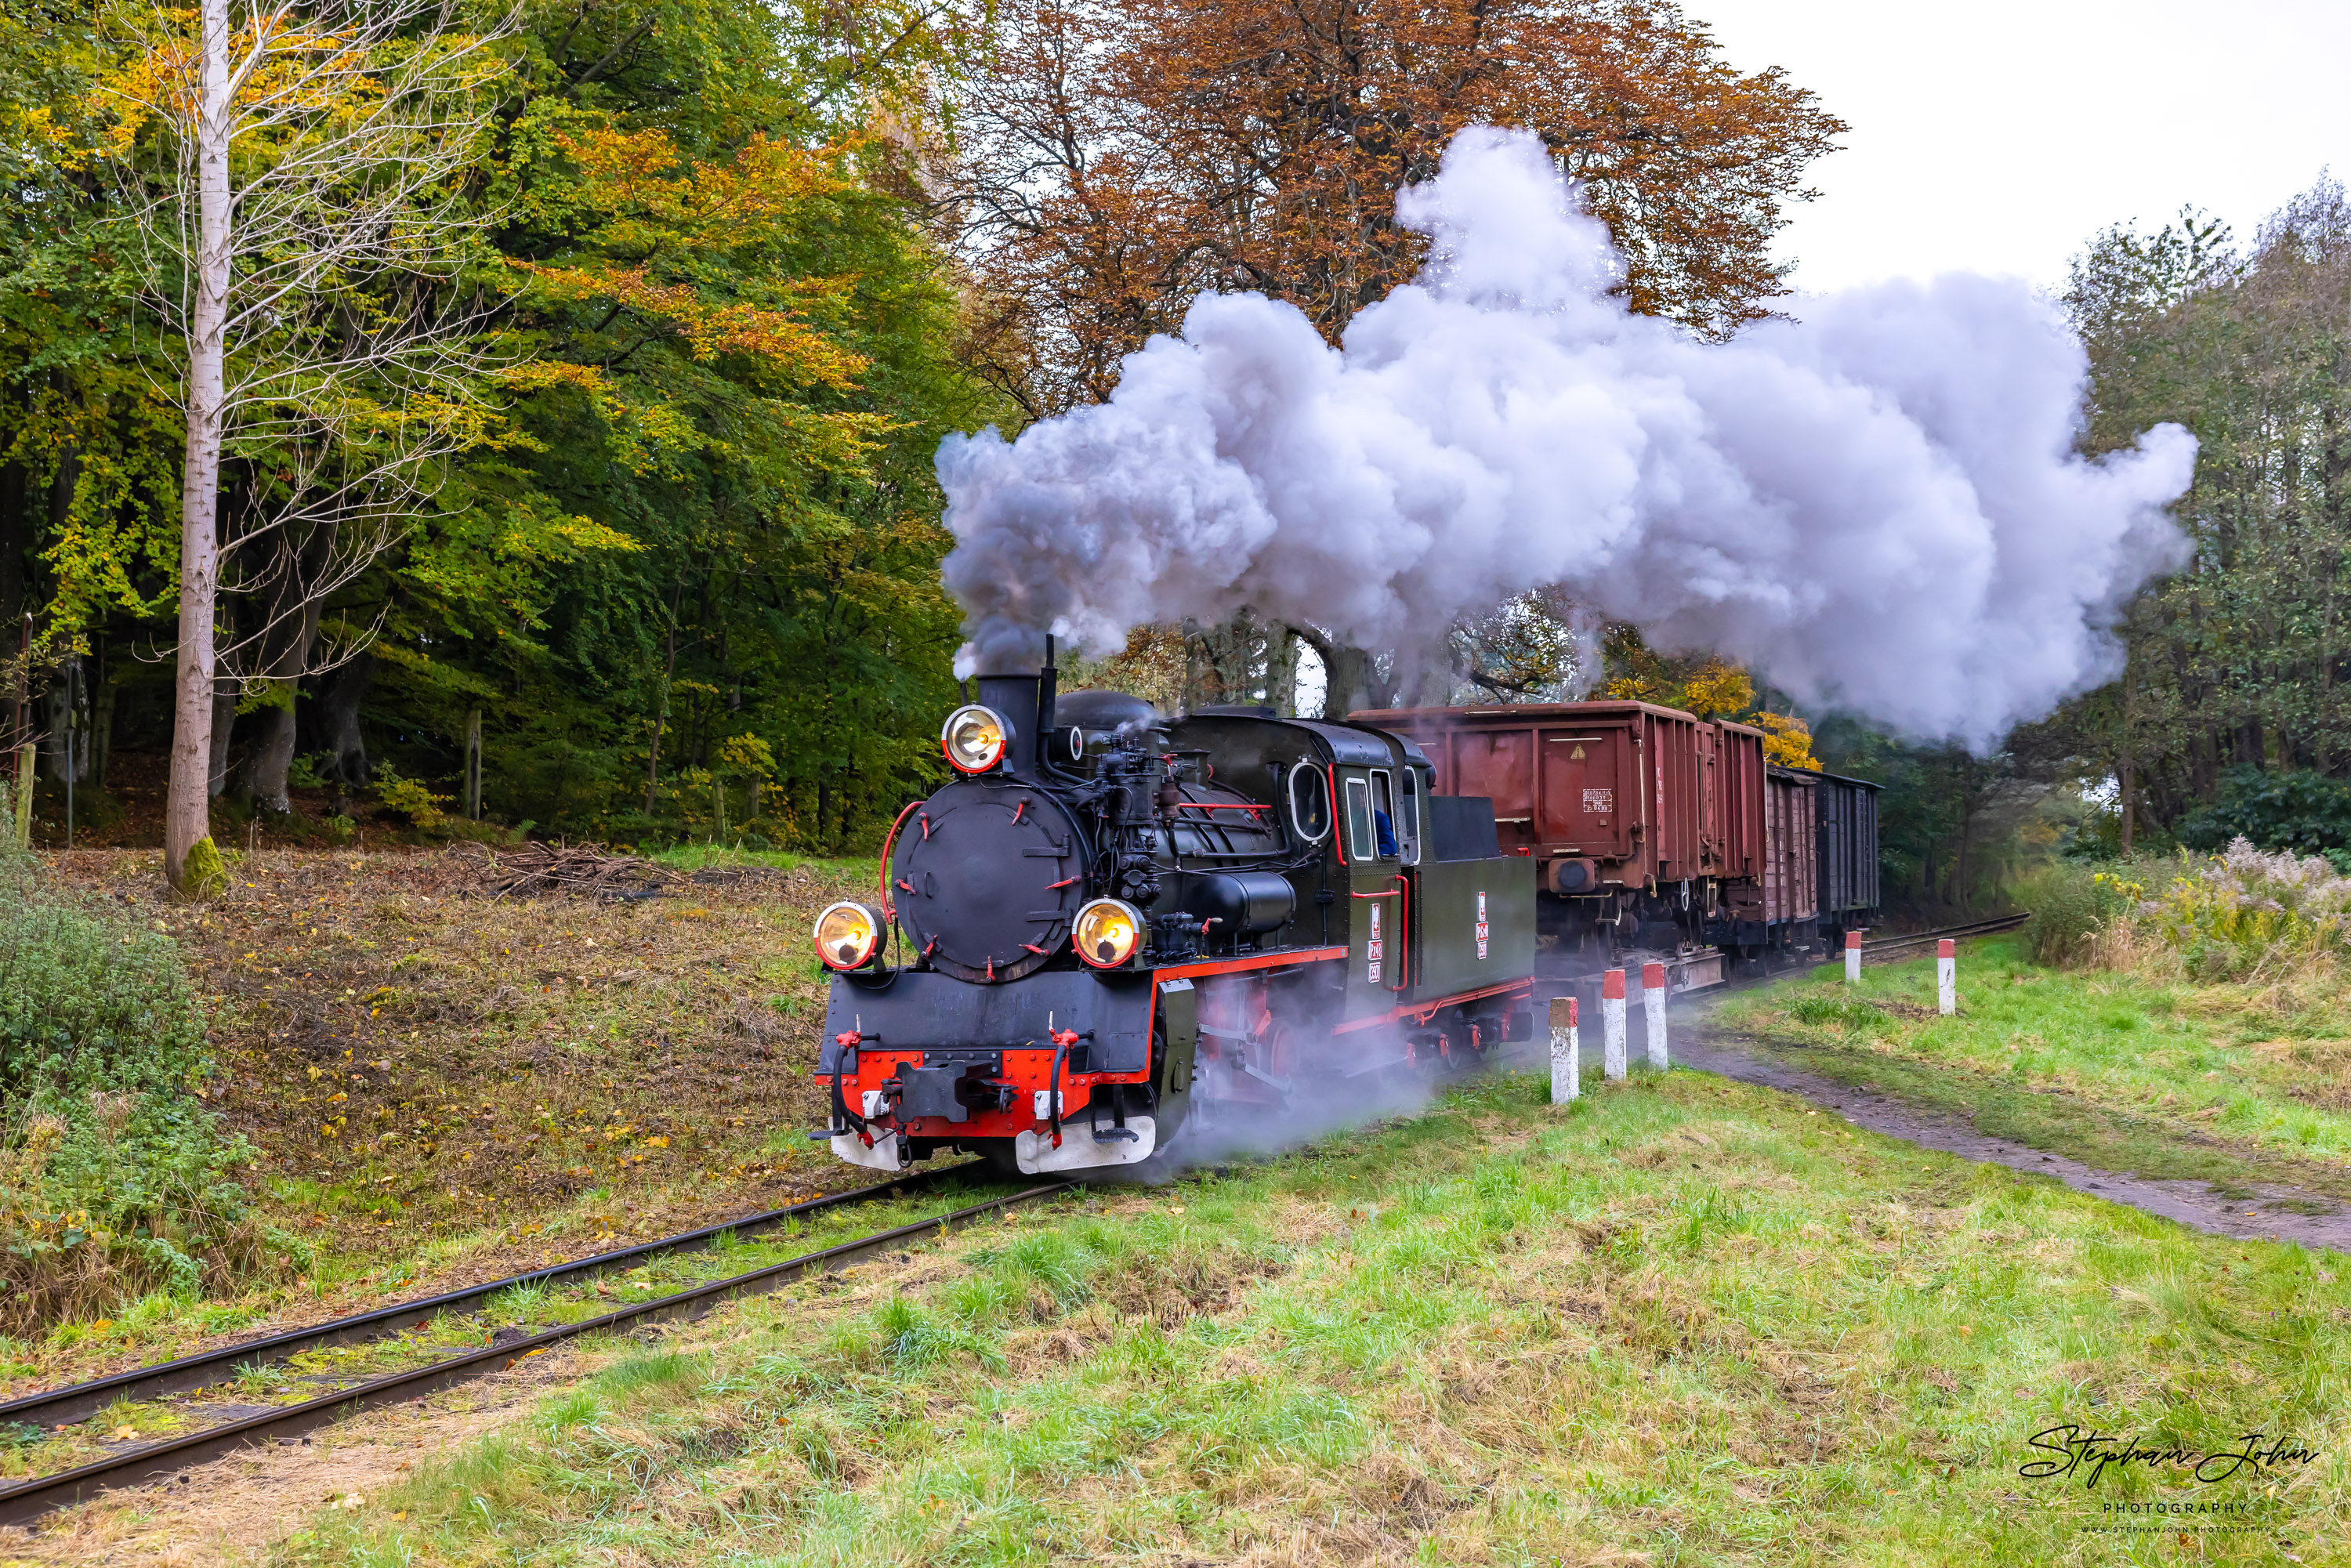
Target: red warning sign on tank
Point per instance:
(1481, 927)
(1371, 947)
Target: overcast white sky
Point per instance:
(1998, 136)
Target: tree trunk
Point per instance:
(62, 754)
(187, 819)
(339, 721)
(661, 718)
(15, 533)
(474, 766)
(272, 757)
(1354, 682)
(2124, 777)
(101, 717)
(1281, 670)
(293, 630)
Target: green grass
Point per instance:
(529, 1307)
(1686, 1320)
(2164, 1079)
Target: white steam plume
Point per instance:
(1878, 503)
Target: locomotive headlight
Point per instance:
(847, 934)
(974, 738)
(1106, 932)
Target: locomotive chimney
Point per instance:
(1049, 685)
(1015, 698)
(1027, 704)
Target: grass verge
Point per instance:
(438, 1087)
(1684, 1321)
(2159, 1078)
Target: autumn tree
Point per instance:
(746, 352)
(294, 178)
(1706, 684)
(1121, 156)
(2236, 662)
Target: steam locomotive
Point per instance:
(1111, 930)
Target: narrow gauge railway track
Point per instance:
(61, 1405)
(27, 1499)
(1888, 947)
(1884, 950)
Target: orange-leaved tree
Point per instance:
(1120, 156)
(1708, 686)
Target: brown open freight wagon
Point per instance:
(1605, 798)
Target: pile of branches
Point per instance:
(584, 871)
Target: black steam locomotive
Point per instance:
(1110, 928)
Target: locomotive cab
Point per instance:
(1109, 927)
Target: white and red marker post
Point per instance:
(1653, 1008)
(1611, 1023)
(1566, 1071)
(1853, 957)
(1947, 977)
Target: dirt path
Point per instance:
(2276, 1214)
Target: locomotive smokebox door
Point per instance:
(986, 879)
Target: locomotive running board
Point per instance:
(1036, 1155)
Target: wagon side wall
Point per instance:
(1791, 864)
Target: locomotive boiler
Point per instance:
(1112, 930)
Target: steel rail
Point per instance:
(1888, 945)
(60, 1406)
(44, 1494)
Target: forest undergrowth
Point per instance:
(422, 1085)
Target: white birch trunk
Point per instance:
(186, 814)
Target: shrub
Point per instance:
(2071, 905)
(114, 1179)
(2247, 911)
(409, 797)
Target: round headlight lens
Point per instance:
(974, 738)
(1107, 931)
(847, 934)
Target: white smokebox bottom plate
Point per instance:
(884, 1155)
(1037, 1155)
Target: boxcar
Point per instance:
(1847, 813)
(1635, 819)
(1781, 908)
(1820, 867)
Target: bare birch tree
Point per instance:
(302, 180)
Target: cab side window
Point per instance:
(1408, 817)
(1383, 814)
(1361, 844)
